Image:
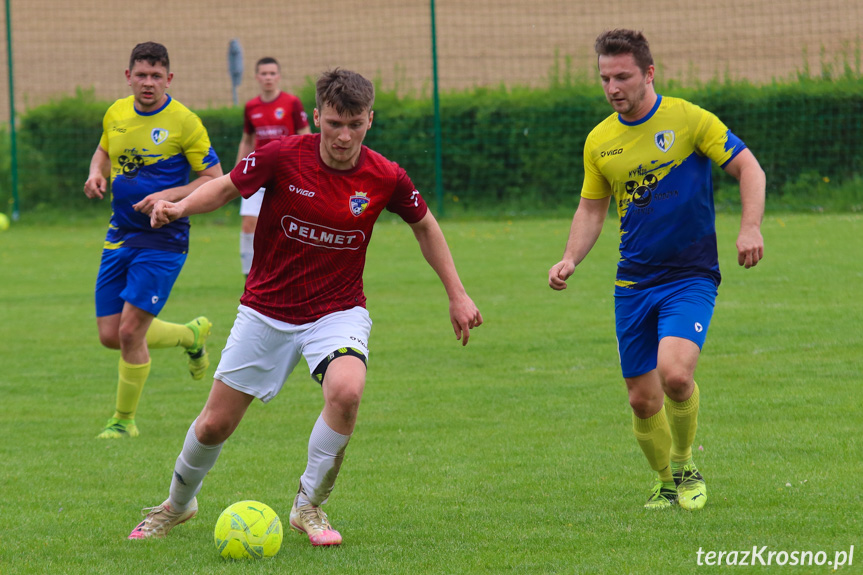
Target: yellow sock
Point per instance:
(683, 420)
(163, 334)
(129, 388)
(654, 438)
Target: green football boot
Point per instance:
(691, 489)
(199, 359)
(118, 429)
(664, 495)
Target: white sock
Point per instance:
(247, 251)
(193, 464)
(326, 452)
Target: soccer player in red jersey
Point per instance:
(304, 295)
(267, 117)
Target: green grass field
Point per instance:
(513, 455)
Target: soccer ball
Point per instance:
(248, 530)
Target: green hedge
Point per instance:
(516, 150)
(798, 131)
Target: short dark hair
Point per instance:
(346, 91)
(266, 60)
(151, 52)
(623, 41)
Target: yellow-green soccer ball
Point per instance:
(248, 530)
(4, 222)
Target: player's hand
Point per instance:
(750, 247)
(164, 213)
(464, 316)
(559, 273)
(146, 205)
(95, 187)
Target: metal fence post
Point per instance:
(13, 131)
(438, 144)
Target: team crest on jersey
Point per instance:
(279, 113)
(664, 139)
(359, 203)
(159, 135)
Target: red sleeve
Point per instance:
(255, 170)
(301, 120)
(406, 200)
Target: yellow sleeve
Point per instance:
(196, 143)
(595, 185)
(103, 141)
(712, 137)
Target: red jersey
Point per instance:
(270, 121)
(315, 226)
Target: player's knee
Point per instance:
(644, 403)
(128, 337)
(109, 340)
(212, 430)
(642, 407)
(248, 224)
(344, 395)
(676, 383)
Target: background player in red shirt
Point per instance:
(267, 117)
(304, 296)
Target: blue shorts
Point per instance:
(679, 309)
(142, 277)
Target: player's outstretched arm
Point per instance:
(145, 206)
(753, 183)
(464, 315)
(210, 197)
(97, 181)
(583, 233)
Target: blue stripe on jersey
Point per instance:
(151, 152)
(681, 206)
(734, 145)
(659, 170)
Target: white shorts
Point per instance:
(261, 352)
(252, 206)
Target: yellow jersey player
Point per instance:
(653, 155)
(148, 146)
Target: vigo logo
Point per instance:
(605, 153)
(301, 191)
(322, 236)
